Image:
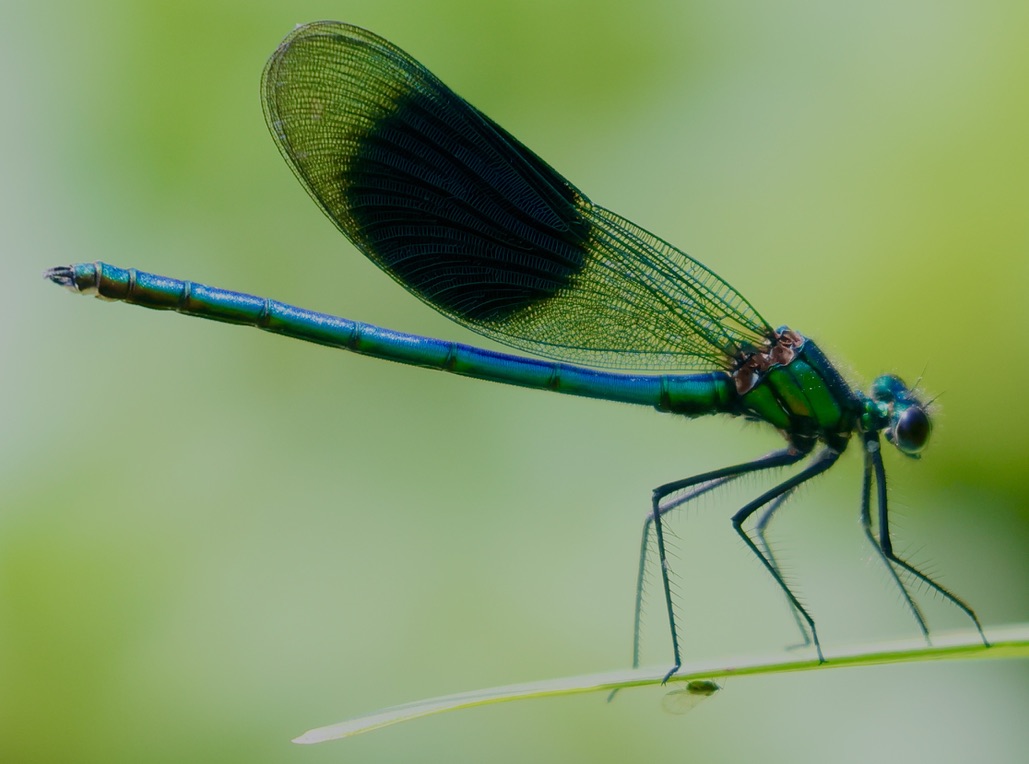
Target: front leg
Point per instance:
(874, 464)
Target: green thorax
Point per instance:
(805, 397)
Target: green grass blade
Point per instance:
(1006, 643)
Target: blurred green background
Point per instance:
(212, 539)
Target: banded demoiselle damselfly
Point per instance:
(462, 215)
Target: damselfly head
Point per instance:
(908, 426)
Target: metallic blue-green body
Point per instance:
(688, 394)
(807, 400)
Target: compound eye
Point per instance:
(911, 432)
